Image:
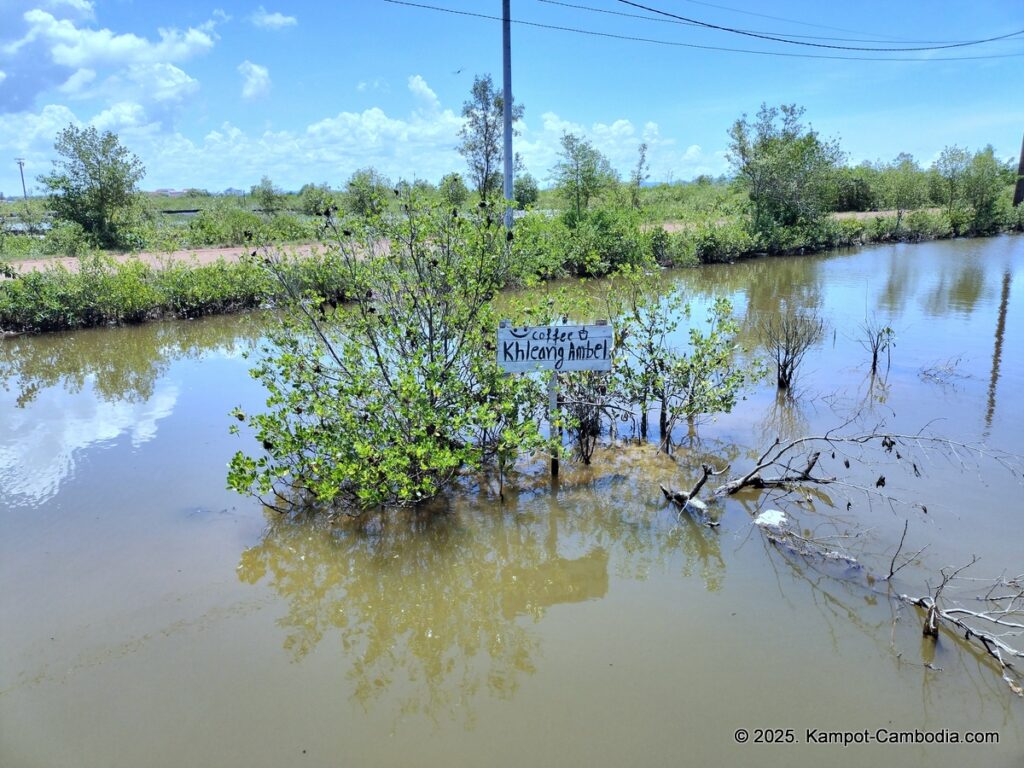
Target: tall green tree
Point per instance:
(525, 190)
(580, 174)
(267, 197)
(315, 199)
(788, 170)
(640, 174)
(453, 190)
(483, 134)
(94, 183)
(951, 168)
(904, 185)
(857, 189)
(983, 187)
(366, 192)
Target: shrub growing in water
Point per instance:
(384, 401)
(787, 337)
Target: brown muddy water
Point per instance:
(149, 617)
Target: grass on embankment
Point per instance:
(103, 291)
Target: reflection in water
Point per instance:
(441, 608)
(997, 353)
(61, 393)
(443, 616)
(958, 292)
(768, 284)
(117, 363)
(423, 599)
(900, 275)
(785, 419)
(846, 600)
(38, 453)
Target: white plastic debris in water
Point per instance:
(696, 505)
(771, 518)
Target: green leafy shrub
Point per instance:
(882, 229)
(103, 291)
(604, 239)
(315, 199)
(384, 402)
(225, 224)
(453, 190)
(194, 290)
(525, 190)
(17, 245)
(66, 238)
(39, 301)
(94, 184)
(926, 225)
(660, 246)
(849, 232)
(682, 250)
(366, 193)
(286, 227)
(1017, 221)
(538, 248)
(715, 243)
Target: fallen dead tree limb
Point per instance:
(990, 629)
(774, 524)
(986, 628)
(996, 627)
(688, 501)
(784, 457)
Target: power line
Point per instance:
(775, 18)
(692, 24)
(774, 38)
(677, 44)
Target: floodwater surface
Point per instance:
(149, 617)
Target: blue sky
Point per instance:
(217, 94)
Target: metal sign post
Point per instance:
(552, 413)
(555, 348)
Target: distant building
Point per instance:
(235, 192)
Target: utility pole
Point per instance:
(21, 167)
(506, 35)
(1018, 192)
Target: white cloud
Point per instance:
(120, 117)
(272, 20)
(217, 16)
(82, 8)
(3, 75)
(161, 82)
(377, 84)
(76, 47)
(255, 80)
(25, 132)
(38, 455)
(417, 143)
(78, 81)
(617, 140)
(51, 48)
(424, 95)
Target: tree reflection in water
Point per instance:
(443, 608)
(122, 364)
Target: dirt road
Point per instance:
(191, 256)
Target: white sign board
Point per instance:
(555, 348)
